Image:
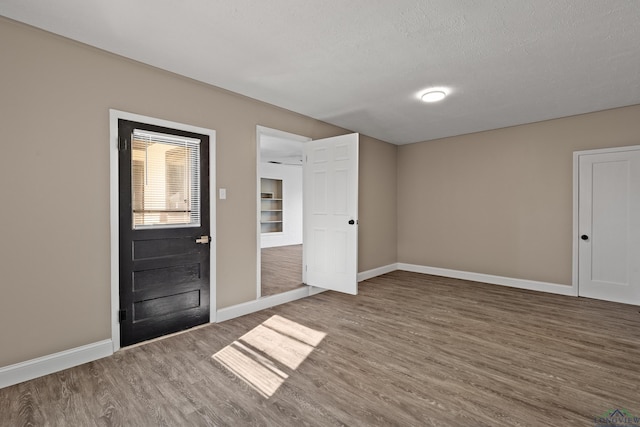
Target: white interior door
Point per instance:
(609, 226)
(331, 213)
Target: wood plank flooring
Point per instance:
(281, 269)
(409, 350)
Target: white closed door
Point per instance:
(331, 213)
(609, 226)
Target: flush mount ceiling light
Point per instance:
(433, 94)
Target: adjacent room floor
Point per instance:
(281, 269)
(410, 350)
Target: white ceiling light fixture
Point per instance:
(433, 94)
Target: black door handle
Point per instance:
(584, 237)
(351, 222)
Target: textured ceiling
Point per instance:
(359, 63)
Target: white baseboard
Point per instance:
(531, 285)
(314, 290)
(249, 307)
(370, 274)
(24, 371)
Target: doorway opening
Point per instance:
(279, 212)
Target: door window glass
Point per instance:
(165, 180)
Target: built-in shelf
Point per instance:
(270, 205)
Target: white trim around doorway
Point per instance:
(114, 115)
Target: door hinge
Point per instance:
(306, 268)
(122, 143)
(122, 315)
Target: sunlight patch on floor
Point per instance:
(265, 356)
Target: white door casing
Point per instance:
(331, 213)
(114, 115)
(609, 225)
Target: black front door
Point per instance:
(164, 230)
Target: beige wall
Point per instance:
(500, 202)
(55, 97)
(377, 246)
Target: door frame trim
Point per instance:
(266, 131)
(114, 115)
(575, 282)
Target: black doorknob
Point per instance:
(584, 237)
(351, 222)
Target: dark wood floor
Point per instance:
(409, 350)
(281, 269)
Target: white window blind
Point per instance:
(165, 180)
